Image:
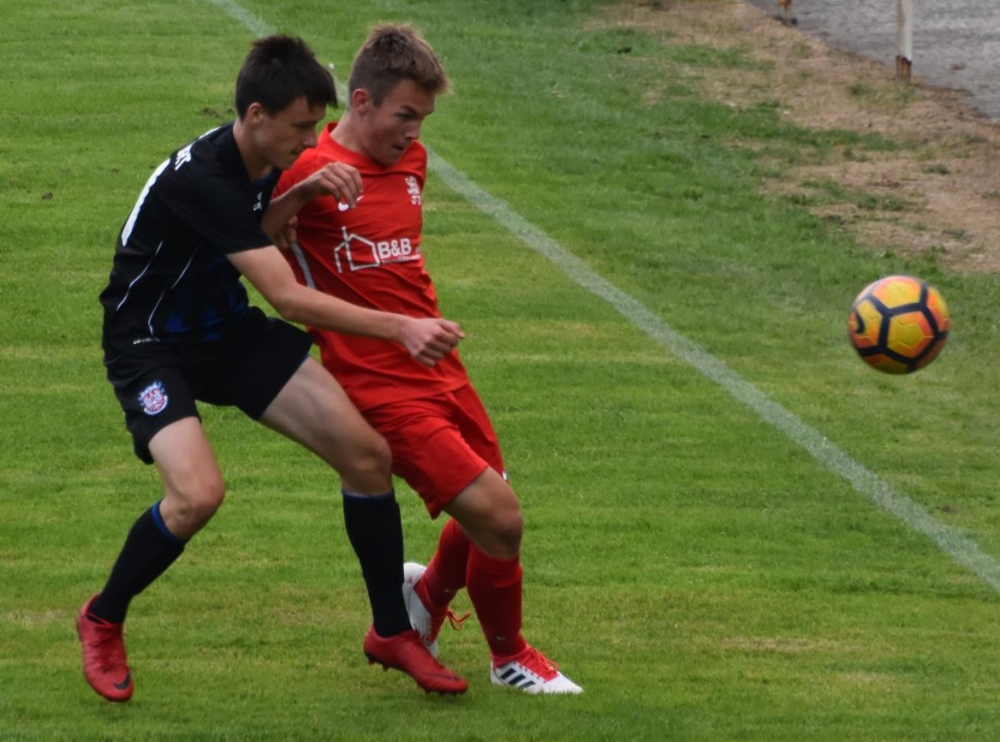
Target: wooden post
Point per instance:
(904, 39)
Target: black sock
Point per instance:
(149, 549)
(376, 533)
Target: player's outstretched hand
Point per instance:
(430, 339)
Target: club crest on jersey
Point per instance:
(413, 188)
(154, 399)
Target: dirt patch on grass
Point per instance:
(935, 192)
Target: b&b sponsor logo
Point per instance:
(356, 253)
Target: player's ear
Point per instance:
(361, 100)
(255, 114)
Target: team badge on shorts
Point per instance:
(154, 399)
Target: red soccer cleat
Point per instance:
(104, 663)
(407, 652)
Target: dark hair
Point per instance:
(393, 53)
(281, 69)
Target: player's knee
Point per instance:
(510, 529)
(197, 501)
(369, 469)
(502, 538)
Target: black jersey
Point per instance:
(171, 280)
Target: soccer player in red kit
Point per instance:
(441, 438)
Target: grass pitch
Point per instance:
(696, 570)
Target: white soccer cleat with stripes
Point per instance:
(532, 672)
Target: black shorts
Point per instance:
(157, 383)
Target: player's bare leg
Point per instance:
(490, 517)
(193, 491)
(313, 410)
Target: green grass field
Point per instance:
(694, 567)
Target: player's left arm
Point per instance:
(427, 339)
(336, 179)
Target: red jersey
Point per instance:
(370, 256)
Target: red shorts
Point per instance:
(440, 444)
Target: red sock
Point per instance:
(445, 575)
(495, 590)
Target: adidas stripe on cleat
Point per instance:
(531, 672)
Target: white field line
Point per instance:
(949, 539)
(248, 18)
(953, 541)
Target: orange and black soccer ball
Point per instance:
(898, 324)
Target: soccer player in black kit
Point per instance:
(178, 328)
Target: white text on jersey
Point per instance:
(357, 253)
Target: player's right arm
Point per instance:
(427, 339)
(336, 179)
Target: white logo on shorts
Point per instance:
(154, 399)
